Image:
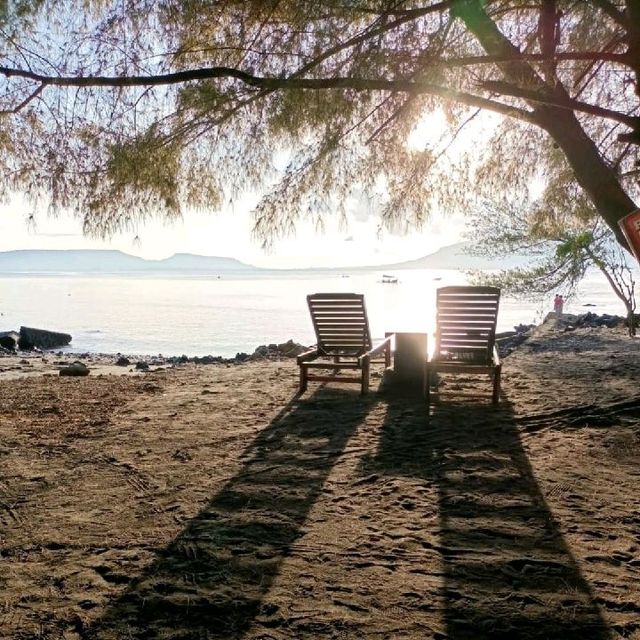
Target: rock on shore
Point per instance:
(31, 338)
(289, 349)
(9, 340)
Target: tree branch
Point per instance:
(494, 42)
(633, 38)
(612, 283)
(410, 13)
(616, 15)
(24, 103)
(552, 100)
(272, 83)
(405, 16)
(467, 61)
(547, 36)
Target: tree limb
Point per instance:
(553, 100)
(406, 16)
(24, 103)
(592, 172)
(547, 30)
(272, 83)
(616, 15)
(410, 13)
(466, 61)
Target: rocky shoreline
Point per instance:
(507, 341)
(29, 340)
(81, 363)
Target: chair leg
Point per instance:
(496, 384)
(303, 378)
(366, 364)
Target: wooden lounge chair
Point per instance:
(344, 342)
(466, 333)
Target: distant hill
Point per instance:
(105, 261)
(455, 256)
(192, 262)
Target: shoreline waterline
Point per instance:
(506, 342)
(197, 317)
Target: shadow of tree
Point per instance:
(507, 570)
(211, 580)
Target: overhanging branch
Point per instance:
(24, 103)
(613, 12)
(589, 56)
(272, 83)
(552, 100)
(403, 17)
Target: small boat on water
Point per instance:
(386, 279)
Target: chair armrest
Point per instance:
(379, 348)
(307, 355)
(496, 356)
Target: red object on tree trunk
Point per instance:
(630, 226)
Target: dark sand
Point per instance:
(207, 502)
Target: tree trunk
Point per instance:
(633, 38)
(593, 174)
(631, 321)
(628, 301)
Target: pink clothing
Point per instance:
(558, 303)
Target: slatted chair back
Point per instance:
(466, 324)
(340, 322)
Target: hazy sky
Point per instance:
(228, 233)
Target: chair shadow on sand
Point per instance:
(507, 570)
(211, 580)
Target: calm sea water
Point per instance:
(204, 315)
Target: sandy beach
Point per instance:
(208, 501)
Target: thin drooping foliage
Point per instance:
(120, 110)
(563, 239)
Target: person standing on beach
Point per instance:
(558, 304)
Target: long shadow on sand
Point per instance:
(508, 572)
(211, 580)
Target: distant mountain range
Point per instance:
(458, 256)
(454, 256)
(104, 261)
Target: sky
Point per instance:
(228, 232)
